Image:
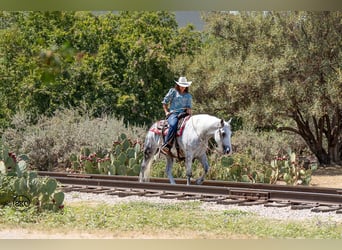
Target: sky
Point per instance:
(185, 17)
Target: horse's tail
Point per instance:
(150, 148)
(145, 171)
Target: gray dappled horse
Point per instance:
(193, 142)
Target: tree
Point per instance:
(116, 63)
(150, 41)
(277, 70)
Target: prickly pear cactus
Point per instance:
(292, 170)
(122, 159)
(288, 169)
(17, 181)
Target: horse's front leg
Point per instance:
(169, 165)
(205, 164)
(188, 166)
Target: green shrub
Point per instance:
(262, 147)
(52, 141)
(73, 140)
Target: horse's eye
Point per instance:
(223, 134)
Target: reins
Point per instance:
(192, 123)
(202, 141)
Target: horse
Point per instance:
(193, 143)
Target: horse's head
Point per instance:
(223, 137)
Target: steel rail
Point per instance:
(205, 183)
(233, 190)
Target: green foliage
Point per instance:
(113, 63)
(275, 70)
(17, 181)
(292, 170)
(50, 142)
(106, 146)
(122, 159)
(252, 160)
(242, 168)
(268, 70)
(263, 146)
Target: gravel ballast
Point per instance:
(285, 213)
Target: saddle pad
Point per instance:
(161, 125)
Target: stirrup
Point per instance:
(166, 150)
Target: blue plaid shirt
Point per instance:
(178, 102)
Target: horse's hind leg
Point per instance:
(205, 164)
(169, 165)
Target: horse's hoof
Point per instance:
(199, 181)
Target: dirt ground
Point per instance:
(327, 177)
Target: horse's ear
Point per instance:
(222, 122)
(229, 120)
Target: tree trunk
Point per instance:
(334, 136)
(322, 132)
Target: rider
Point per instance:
(175, 103)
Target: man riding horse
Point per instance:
(177, 103)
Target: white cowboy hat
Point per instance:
(183, 82)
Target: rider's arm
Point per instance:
(167, 100)
(189, 104)
(166, 108)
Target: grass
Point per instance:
(149, 220)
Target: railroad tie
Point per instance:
(324, 209)
(253, 202)
(230, 201)
(278, 204)
(304, 206)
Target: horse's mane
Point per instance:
(209, 121)
(208, 118)
(205, 116)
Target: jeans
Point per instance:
(173, 122)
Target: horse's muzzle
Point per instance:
(226, 150)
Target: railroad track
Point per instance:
(221, 192)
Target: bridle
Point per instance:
(222, 135)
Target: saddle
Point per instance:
(161, 128)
